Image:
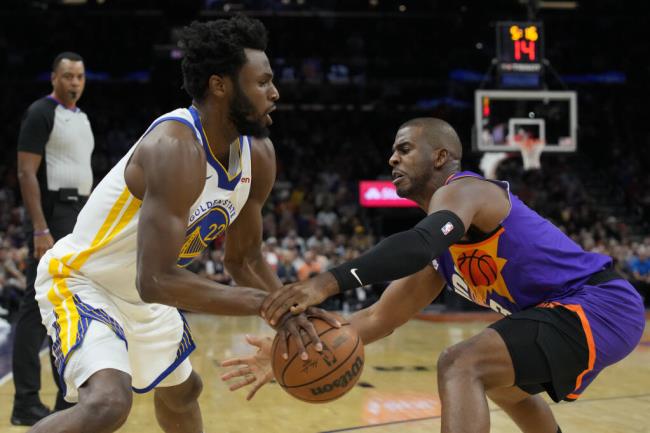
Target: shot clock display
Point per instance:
(520, 53)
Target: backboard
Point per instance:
(504, 117)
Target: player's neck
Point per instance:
(218, 129)
(423, 198)
(440, 179)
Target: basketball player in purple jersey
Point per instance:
(567, 314)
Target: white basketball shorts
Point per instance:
(91, 330)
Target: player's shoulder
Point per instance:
(173, 141)
(262, 151)
(463, 191)
(469, 185)
(262, 146)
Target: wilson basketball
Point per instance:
(326, 375)
(478, 266)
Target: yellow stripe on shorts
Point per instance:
(64, 307)
(59, 294)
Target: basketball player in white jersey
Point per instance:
(109, 292)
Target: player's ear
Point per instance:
(440, 157)
(217, 86)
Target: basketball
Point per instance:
(326, 375)
(478, 266)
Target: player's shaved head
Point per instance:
(426, 151)
(438, 134)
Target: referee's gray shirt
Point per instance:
(65, 140)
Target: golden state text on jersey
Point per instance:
(208, 221)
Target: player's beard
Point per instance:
(241, 110)
(416, 184)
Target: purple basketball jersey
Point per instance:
(528, 262)
(524, 262)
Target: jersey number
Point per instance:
(215, 231)
(460, 287)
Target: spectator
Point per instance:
(310, 267)
(214, 268)
(286, 270)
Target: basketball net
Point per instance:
(531, 151)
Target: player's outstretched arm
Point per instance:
(452, 210)
(401, 300)
(395, 257)
(243, 255)
(167, 172)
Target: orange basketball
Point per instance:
(478, 267)
(326, 375)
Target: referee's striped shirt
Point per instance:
(65, 139)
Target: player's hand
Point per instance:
(290, 327)
(298, 296)
(42, 244)
(255, 370)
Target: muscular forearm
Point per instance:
(186, 290)
(31, 193)
(369, 327)
(254, 272)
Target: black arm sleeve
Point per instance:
(36, 126)
(403, 253)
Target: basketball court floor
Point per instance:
(396, 393)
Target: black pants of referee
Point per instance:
(30, 332)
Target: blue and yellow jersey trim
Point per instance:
(68, 339)
(185, 347)
(225, 181)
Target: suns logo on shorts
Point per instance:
(207, 228)
(477, 273)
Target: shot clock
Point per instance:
(520, 53)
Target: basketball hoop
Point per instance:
(531, 151)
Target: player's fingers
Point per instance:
(247, 381)
(275, 301)
(257, 386)
(268, 301)
(279, 308)
(295, 333)
(227, 376)
(324, 315)
(233, 361)
(254, 340)
(282, 344)
(236, 373)
(311, 331)
(271, 313)
(298, 308)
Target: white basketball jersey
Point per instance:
(103, 244)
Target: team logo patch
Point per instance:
(447, 228)
(478, 273)
(202, 231)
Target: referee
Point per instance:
(54, 151)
